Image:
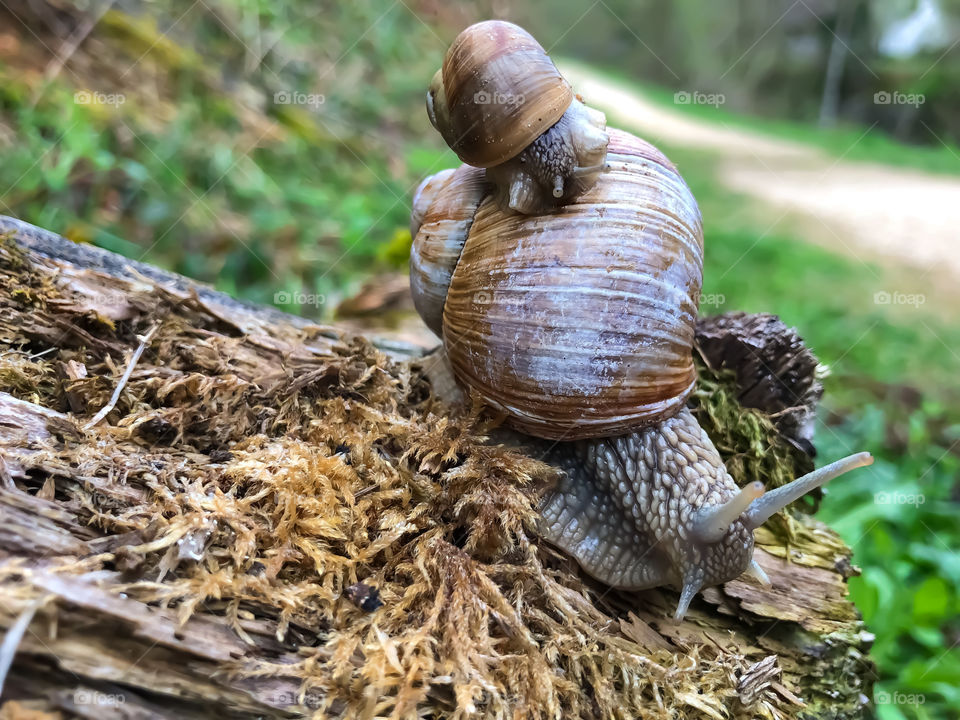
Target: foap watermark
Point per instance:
(93, 97)
(482, 297)
(298, 298)
(286, 97)
(107, 300)
(884, 97)
(712, 299)
(899, 698)
(289, 698)
(103, 501)
(883, 297)
(899, 498)
(87, 698)
(283, 699)
(695, 97)
(497, 98)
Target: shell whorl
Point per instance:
(580, 323)
(443, 210)
(496, 92)
(424, 196)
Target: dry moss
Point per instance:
(238, 479)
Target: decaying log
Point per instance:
(103, 531)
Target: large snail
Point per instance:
(501, 104)
(578, 325)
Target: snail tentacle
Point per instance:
(763, 508)
(711, 523)
(693, 582)
(755, 571)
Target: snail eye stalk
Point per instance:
(763, 508)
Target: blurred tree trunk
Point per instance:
(839, 47)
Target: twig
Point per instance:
(11, 641)
(144, 343)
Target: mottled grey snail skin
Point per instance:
(560, 165)
(657, 507)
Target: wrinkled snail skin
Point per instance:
(559, 166)
(501, 104)
(578, 325)
(658, 507)
(626, 509)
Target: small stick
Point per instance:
(144, 343)
(11, 641)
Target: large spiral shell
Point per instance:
(580, 323)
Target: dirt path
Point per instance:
(869, 211)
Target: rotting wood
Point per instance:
(69, 539)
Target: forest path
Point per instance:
(869, 211)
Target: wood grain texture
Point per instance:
(90, 641)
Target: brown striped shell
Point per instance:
(443, 210)
(579, 323)
(424, 196)
(496, 92)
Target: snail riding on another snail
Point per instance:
(501, 104)
(578, 325)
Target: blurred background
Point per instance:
(271, 149)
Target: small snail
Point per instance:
(501, 104)
(579, 325)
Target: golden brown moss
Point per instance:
(242, 478)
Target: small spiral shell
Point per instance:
(501, 104)
(496, 93)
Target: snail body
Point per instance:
(578, 325)
(501, 104)
(657, 507)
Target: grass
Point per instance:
(283, 179)
(900, 518)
